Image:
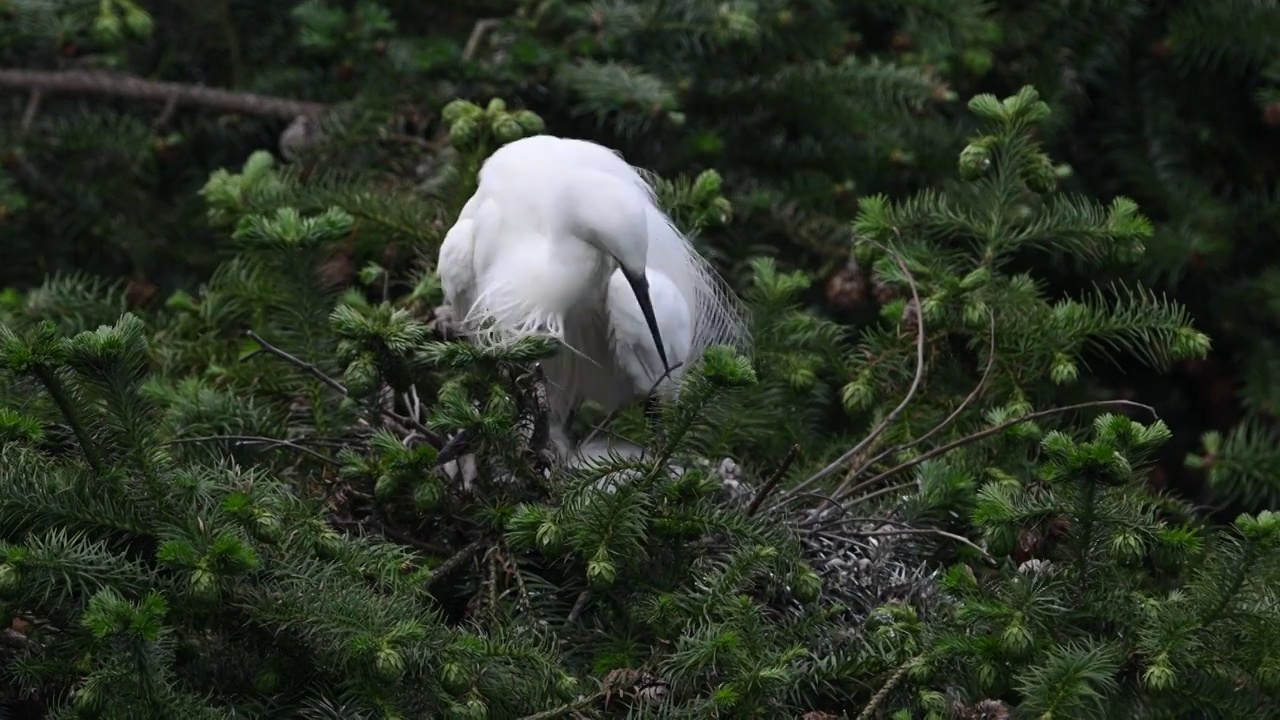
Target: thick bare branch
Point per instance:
(119, 85)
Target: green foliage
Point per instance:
(231, 483)
(1119, 606)
(237, 506)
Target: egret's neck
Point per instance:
(586, 266)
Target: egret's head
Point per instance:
(613, 213)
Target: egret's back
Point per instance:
(718, 316)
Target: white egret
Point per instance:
(556, 232)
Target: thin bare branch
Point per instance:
(567, 708)
(457, 559)
(298, 362)
(925, 531)
(29, 112)
(478, 32)
(983, 434)
(973, 395)
(253, 440)
(888, 420)
(773, 480)
(120, 85)
(430, 435)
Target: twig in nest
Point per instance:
(925, 531)
(773, 480)
(456, 559)
(338, 387)
(884, 424)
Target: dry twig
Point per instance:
(338, 387)
(773, 480)
(884, 424)
(120, 85)
(478, 32)
(968, 400)
(457, 559)
(254, 440)
(983, 434)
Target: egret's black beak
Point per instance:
(640, 286)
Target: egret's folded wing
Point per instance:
(456, 266)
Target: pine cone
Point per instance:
(883, 291)
(1271, 114)
(846, 289)
(911, 317)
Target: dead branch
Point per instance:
(120, 85)
(253, 440)
(457, 559)
(902, 447)
(982, 435)
(432, 438)
(477, 33)
(774, 479)
(884, 424)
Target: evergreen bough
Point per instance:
(252, 501)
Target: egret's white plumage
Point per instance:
(534, 252)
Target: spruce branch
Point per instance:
(983, 434)
(432, 438)
(59, 395)
(120, 85)
(253, 440)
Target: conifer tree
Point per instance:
(231, 482)
(235, 506)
